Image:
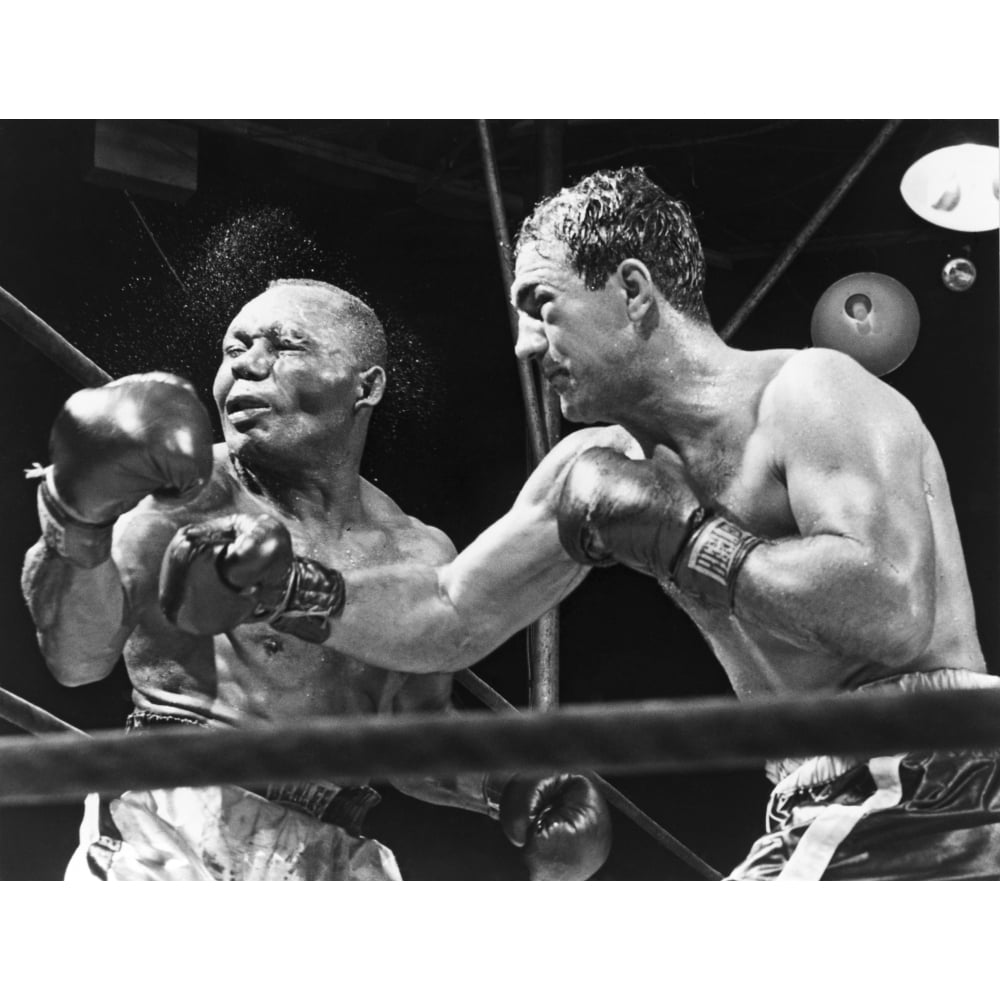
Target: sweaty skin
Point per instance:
(294, 392)
(253, 672)
(864, 576)
(861, 574)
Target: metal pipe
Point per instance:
(822, 213)
(53, 345)
(543, 639)
(543, 636)
(529, 394)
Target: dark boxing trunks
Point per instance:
(912, 816)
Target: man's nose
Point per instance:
(531, 342)
(254, 363)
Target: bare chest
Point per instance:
(745, 482)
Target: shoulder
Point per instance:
(430, 543)
(824, 411)
(816, 385)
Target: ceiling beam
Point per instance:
(354, 159)
(848, 241)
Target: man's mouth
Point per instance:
(557, 377)
(245, 407)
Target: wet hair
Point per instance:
(611, 215)
(367, 333)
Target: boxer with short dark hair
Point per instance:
(791, 503)
(226, 629)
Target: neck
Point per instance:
(686, 395)
(328, 490)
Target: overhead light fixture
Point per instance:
(871, 317)
(957, 187)
(958, 274)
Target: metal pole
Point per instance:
(536, 428)
(792, 250)
(53, 345)
(550, 179)
(543, 636)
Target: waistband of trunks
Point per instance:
(806, 772)
(346, 807)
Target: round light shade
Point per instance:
(958, 274)
(956, 187)
(869, 316)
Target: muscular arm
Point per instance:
(84, 617)
(79, 614)
(443, 618)
(859, 581)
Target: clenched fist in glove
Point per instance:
(644, 515)
(220, 573)
(561, 823)
(112, 446)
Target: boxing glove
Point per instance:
(221, 573)
(112, 446)
(644, 515)
(561, 823)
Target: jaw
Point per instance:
(579, 407)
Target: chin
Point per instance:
(579, 414)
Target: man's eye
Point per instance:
(232, 350)
(289, 345)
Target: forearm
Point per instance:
(833, 594)
(78, 613)
(463, 791)
(443, 619)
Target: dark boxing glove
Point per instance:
(642, 514)
(221, 573)
(112, 446)
(561, 823)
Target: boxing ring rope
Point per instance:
(652, 736)
(819, 217)
(52, 344)
(31, 718)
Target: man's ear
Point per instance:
(371, 387)
(640, 296)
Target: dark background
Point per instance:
(396, 211)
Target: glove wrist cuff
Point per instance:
(314, 595)
(83, 543)
(710, 561)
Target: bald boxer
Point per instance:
(793, 505)
(302, 369)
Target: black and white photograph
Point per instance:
(468, 501)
